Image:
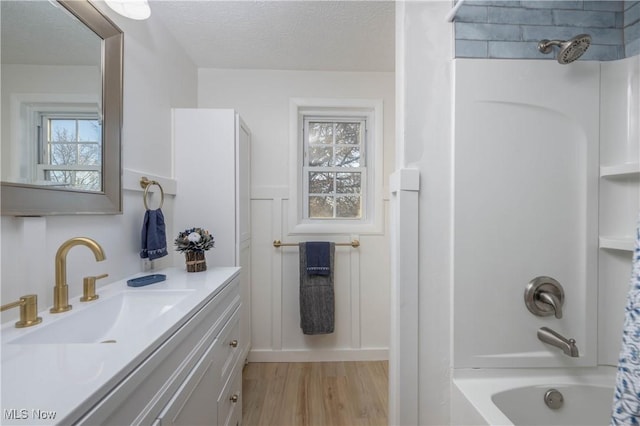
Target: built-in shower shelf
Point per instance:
(620, 169)
(617, 243)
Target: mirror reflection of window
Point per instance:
(70, 150)
(55, 71)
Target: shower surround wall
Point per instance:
(596, 278)
(526, 194)
(546, 157)
(512, 29)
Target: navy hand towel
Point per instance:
(154, 235)
(318, 258)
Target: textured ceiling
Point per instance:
(285, 35)
(62, 41)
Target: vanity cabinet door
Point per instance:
(193, 404)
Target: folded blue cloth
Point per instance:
(318, 262)
(154, 235)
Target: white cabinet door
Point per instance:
(212, 163)
(245, 296)
(205, 167)
(244, 230)
(244, 180)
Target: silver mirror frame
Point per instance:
(29, 200)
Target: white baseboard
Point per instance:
(319, 355)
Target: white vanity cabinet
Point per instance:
(193, 378)
(212, 166)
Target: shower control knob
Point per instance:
(544, 296)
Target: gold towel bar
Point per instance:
(278, 243)
(146, 183)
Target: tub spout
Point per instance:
(551, 337)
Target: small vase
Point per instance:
(195, 261)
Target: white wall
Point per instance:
(157, 77)
(424, 50)
(362, 275)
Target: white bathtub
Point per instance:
(516, 397)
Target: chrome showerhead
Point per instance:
(570, 50)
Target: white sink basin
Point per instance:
(105, 321)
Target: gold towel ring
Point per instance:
(146, 183)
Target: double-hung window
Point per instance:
(336, 166)
(335, 170)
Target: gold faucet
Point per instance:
(28, 310)
(61, 290)
(89, 288)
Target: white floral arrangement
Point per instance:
(194, 239)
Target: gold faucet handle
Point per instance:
(89, 287)
(28, 310)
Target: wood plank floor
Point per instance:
(315, 394)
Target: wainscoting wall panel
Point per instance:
(361, 285)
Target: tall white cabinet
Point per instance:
(212, 150)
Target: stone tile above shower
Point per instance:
(512, 29)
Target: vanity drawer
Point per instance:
(230, 401)
(228, 348)
(193, 403)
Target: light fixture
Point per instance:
(133, 9)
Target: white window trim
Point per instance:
(373, 222)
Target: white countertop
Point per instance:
(58, 383)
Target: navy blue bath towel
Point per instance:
(317, 303)
(154, 235)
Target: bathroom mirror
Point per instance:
(61, 109)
